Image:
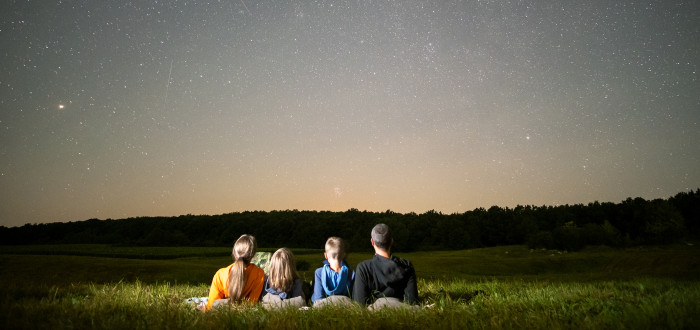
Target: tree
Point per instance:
(662, 223)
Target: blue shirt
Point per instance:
(328, 283)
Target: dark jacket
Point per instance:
(295, 291)
(381, 277)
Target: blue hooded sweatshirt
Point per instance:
(328, 283)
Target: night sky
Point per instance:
(114, 109)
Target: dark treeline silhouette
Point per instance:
(567, 227)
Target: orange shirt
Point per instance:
(255, 279)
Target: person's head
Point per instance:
(283, 270)
(244, 248)
(382, 238)
(243, 252)
(335, 248)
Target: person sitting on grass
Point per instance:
(242, 280)
(333, 282)
(282, 285)
(385, 280)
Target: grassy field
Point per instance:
(97, 286)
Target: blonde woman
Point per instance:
(240, 281)
(282, 285)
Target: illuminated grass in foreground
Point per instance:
(502, 287)
(644, 303)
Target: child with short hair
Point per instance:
(334, 281)
(282, 284)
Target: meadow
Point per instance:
(101, 286)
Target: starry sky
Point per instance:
(114, 109)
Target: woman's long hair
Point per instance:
(243, 252)
(283, 270)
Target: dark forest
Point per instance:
(634, 221)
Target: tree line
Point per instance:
(566, 227)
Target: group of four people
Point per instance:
(384, 280)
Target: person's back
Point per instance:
(335, 278)
(242, 280)
(219, 291)
(282, 285)
(384, 276)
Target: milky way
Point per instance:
(113, 109)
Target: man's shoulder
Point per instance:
(364, 264)
(401, 261)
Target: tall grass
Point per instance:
(505, 287)
(643, 303)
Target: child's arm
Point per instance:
(216, 291)
(351, 282)
(318, 286)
